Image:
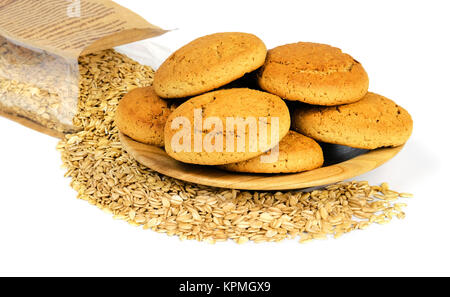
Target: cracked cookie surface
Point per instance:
(219, 107)
(208, 63)
(374, 121)
(142, 115)
(297, 153)
(313, 73)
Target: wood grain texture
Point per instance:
(156, 159)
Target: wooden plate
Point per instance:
(357, 163)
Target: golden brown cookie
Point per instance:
(296, 153)
(142, 115)
(208, 63)
(226, 126)
(313, 73)
(374, 121)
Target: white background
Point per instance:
(404, 46)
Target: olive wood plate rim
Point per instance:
(158, 160)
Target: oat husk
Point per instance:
(108, 177)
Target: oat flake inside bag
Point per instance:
(40, 43)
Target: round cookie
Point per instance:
(208, 63)
(296, 153)
(374, 121)
(142, 115)
(212, 129)
(313, 73)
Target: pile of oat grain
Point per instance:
(106, 176)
